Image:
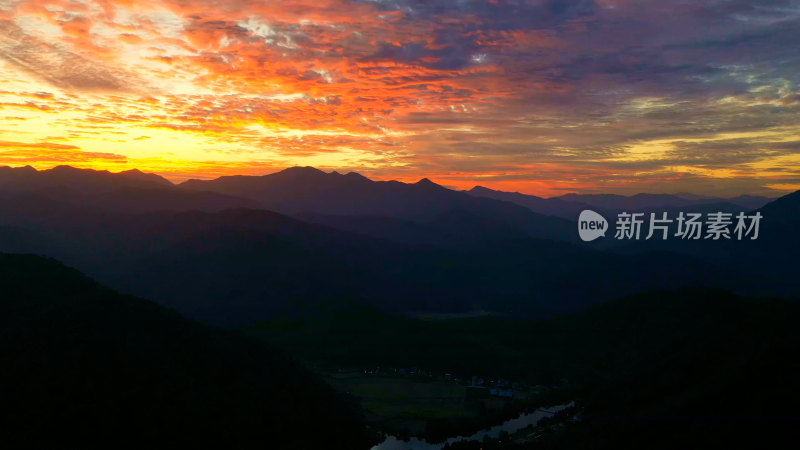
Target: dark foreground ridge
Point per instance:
(84, 367)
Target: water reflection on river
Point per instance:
(510, 426)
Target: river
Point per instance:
(510, 426)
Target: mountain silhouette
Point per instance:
(238, 266)
(84, 366)
(296, 190)
(644, 201)
(550, 206)
(81, 180)
(170, 199)
(785, 209)
(129, 191)
(307, 190)
(417, 248)
(569, 206)
(769, 257)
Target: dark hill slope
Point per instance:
(83, 366)
(691, 369)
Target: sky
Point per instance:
(538, 96)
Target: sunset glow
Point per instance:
(540, 96)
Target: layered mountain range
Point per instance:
(244, 248)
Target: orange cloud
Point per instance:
(48, 154)
(544, 96)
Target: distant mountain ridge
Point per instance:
(130, 191)
(301, 190)
(570, 205)
(83, 180)
(416, 248)
(309, 190)
(645, 200)
(291, 191)
(241, 265)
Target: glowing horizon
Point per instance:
(542, 97)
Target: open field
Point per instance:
(409, 404)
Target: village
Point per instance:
(414, 401)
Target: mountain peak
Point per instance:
(64, 168)
(426, 182)
(302, 170)
(136, 174)
(23, 169)
(480, 189)
(356, 175)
